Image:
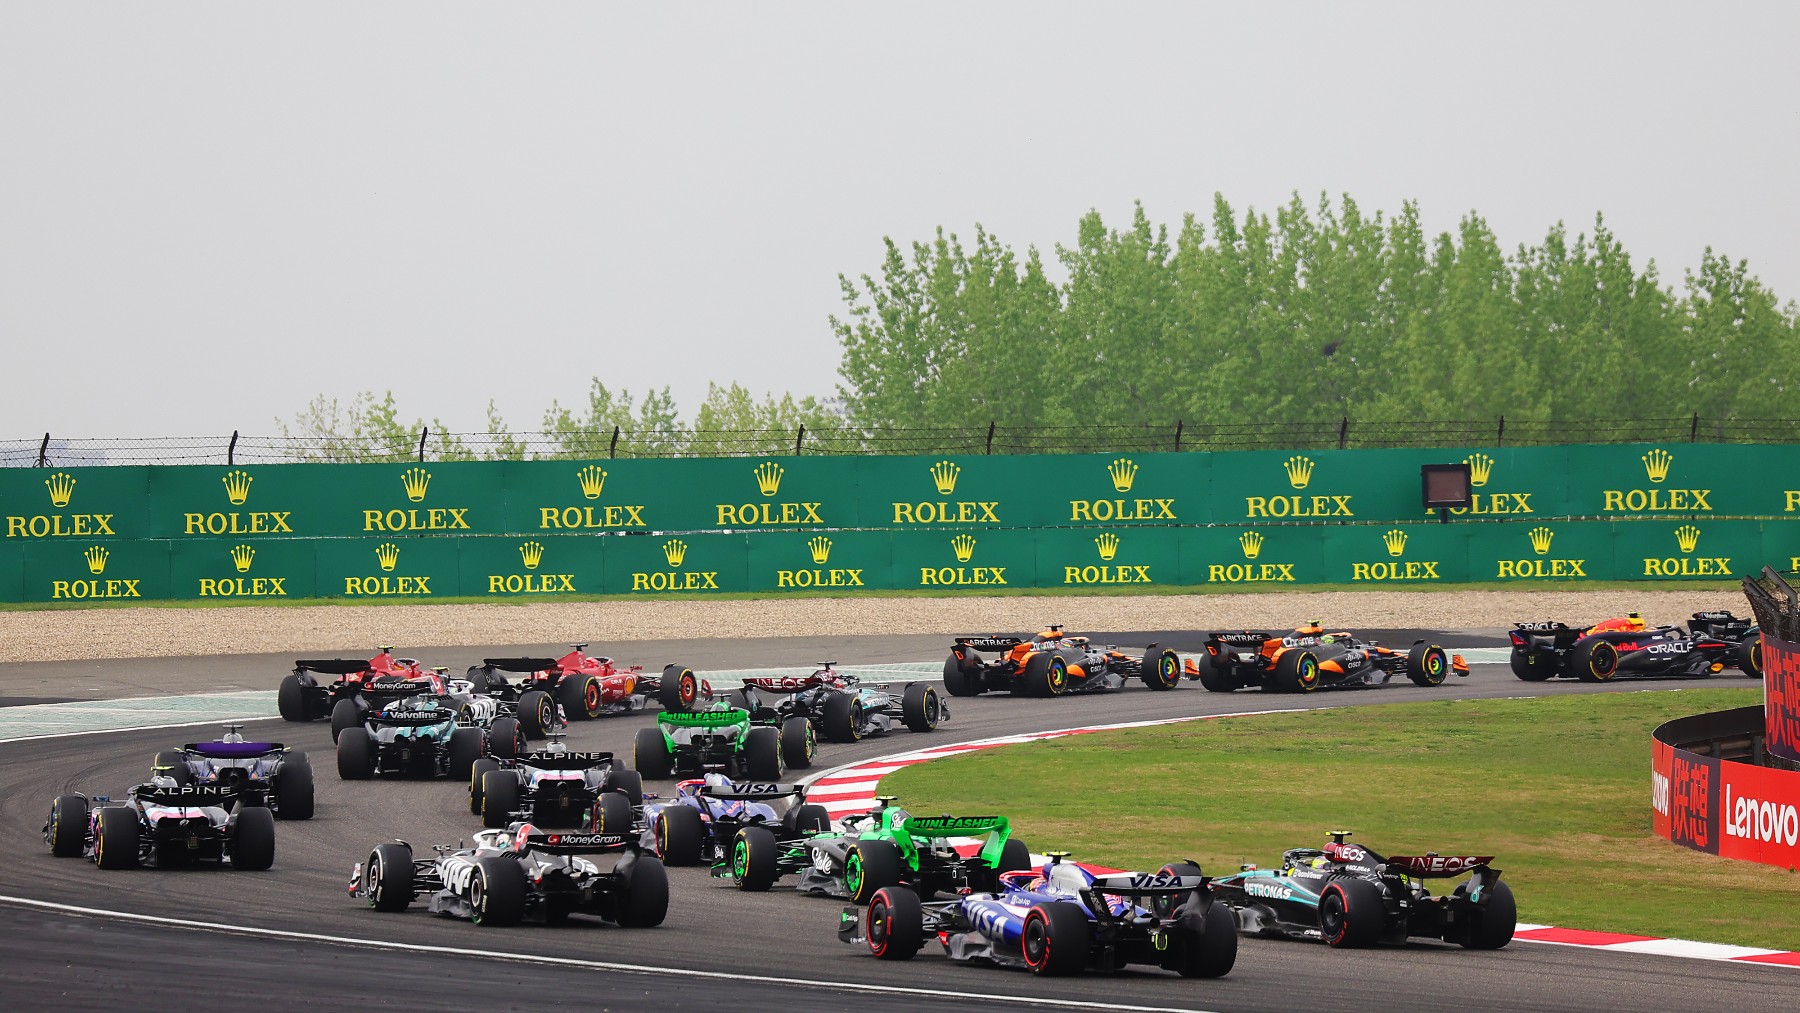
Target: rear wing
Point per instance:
(197, 794)
(990, 643)
(1438, 866)
(234, 750)
(931, 827)
(722, 718)
(570, 843)
(564, 760)
(519, 664)
(752, 791)
(332, 666)
(411, 719)
(784, 683)
(1143, 884)
(1243, 638)
(397, 685)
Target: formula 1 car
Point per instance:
(721, 740)
(284, 777)
(585, 686)
(1713, 642)
(1060, 919)
(1051, 664)
(888, 846)
(162, 823)
(752, 831)
(418, 734)
(1350, 896)
(520, 873)
(555, 787)
(1309, 657)
(839, 706)
(302, 698)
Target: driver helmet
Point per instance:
(232, 734)
(717, 780)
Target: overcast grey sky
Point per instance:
(211, 213)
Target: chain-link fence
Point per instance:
(1776, 603)
(50, 450)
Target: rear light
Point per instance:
(1518, 639)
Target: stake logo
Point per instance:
(1481, 467)
(1657, 465)
(96, 557)
(675, 552)
(531, 555)
(944, 475)
(819, 549)
(1299, 471)
(1123, 473)
(963, 547)
(1394, 541)
(1687, 539)
(1540, 538)
(242, 556)
(237, 486)
(1108, 546)
(593, 481)
(61, 487)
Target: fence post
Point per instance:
(424, 432)
(1694, 430)
(43, 460)
(1178, 424)
(990, 448)
(799, 439)
(1344, 433)
(613, 451)
(231, 451)
(1500, 435)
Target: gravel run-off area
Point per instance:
(179, 632)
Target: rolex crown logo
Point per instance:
(1481, 468)
(1395, 540)
(237, 486)
(96, 558)
(1252, 542)
(820, 547)
(416, 480)
(1299, 471)
(241, 557)
(1688, 537)
(1656, 464)
(593, 479)
(1540, 539)
(1108, 544)
(388, 555)
(62, 486)
(674, 550)
(963, 546)
(943, 475)
(1122, 472)
(531, 554)
(768, 477)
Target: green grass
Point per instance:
(1557, 788)
(1720, 586)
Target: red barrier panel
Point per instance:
(1723, 807)
(1781, 697)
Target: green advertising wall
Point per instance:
(769, 525)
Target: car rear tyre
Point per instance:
(1212, 677)
(499, 798)
(116, 839)
(1045, 675)
(1296, 671)
(505, 740)
(754, 851)
(537, 713)
(1495, 921)
(1161, 669)
(809, 818)
(388, 877)
(173, 762)
(646, 899)
(294, 789)
(1206, 942)
(869, 866)
(959, 680)
(1530, 666)
(920, 708)
(1351, 913)
(356, 755)
(253, 839)
(290, 699)
(650, 754)
(762, 754)
(895, 926)
(68, 826)
(497, 892)
(843, 717)
(628, 783)
(1427, 665)
(612, 814)
(1748, 656)
(798, 743)
(1168, 905)
(344, 714)
(678, 834)
(1595, 660)
(680, 689)
(478, 770)
(1056, 938)
(579, 696)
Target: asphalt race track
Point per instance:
(719, 947)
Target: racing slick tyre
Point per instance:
(1161, 669)
(612, 814)
(870, 866)
(1206, 942)
(798, 743)
(466, 746)
(499, 798)
(537, 713)
(801, 819)
(483, 680)
(497, 892)
(116, 839)
(290, 700)
(1529, 666)
(356, 755)
(294, 789)
(388, 877)
(680, 689)
(1351, 913)
(174, 763)
(68, 826)
(739, 698)
(920, 708)
(1296, 672)
(960, 681)
(762, 754)
(1014, 855)
(1045, 675)
(1212, 679)
(1427, 665)
(754, 851)
(477, 771)
(1748, 656)
(506, 740)
(253, 839)
(344, 714)
(1494, 923)
(629, 783)
(1056, 938)
(1594, 660)
(1166, 905)
(650, 754)
(645, 901)
(579, 696)
(843, 717)
(895, 927)
(678, 834)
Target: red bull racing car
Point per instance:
(1310, 658)
(1628, 646)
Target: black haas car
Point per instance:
(1713, 642)
(556, 787)
(303, 698)
(1348, 896)
(161, 823)
(1051, 664)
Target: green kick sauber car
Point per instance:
(721, 740)
(888, 846)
